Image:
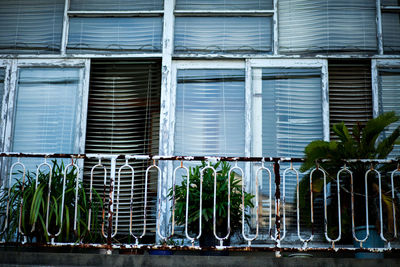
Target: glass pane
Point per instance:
(120, 5)
(320, 25)
(115, 34)
(223, 34)
(390, 2)
(291, 115)
(31, 26)
(46, 106)
(223, 4)
(291, 110)
(389, 94)
(391, 32)
(210, 113)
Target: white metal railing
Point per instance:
(277, 231)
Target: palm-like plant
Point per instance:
(366, 142)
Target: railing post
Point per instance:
(277, 206)
(111, 201)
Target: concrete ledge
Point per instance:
(12, 258)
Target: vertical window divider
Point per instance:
(375, 88)
(325, 99)
(65, 29)
(167, 108)
(379, 27)
(275, 29)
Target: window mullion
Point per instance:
(64, 36)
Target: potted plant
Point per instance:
(33, 210)
(366, 142)
(207, 238)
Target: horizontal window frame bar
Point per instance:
(390, 9)
(224, 13)
(119, 14)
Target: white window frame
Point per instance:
(380, 8)
(377, 64)
(255, 132)
(10, 96)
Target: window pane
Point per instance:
(120, 5)
(389, 94)
(320, 25)
(46, 106)
(350, 93)
(291, 111)
(390, 2)
(391, 32)
(222, 34)
(31, 26)
(115, 34)
(222, 4)
(210, 113)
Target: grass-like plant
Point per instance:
(208, 200)
(34, 208)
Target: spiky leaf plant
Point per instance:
(208, 200)
(366, 142)
(34, 208)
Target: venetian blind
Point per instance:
(223, 4)
(327, 25)
(123, 118)
(124, 34)
(391, 32)
(31, 26)
(46, 110)
(350, 92)
(120, 5)
(389, 98)
(210, 113)
(223, 34)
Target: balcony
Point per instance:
(125, 211)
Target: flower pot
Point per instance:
(373, 241)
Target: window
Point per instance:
(389, 94)
(320, 25)
(103, 26)
(124, 118)
(210, 115)
(391, 25)
(46, 110)
(31, 26)
(45, 103)
(350, 92)
(216, 27)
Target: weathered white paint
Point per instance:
(125, 13)
(375, 89)
(275, 21)
(65, 29)
(287, 63)
(325, 99)
(166, 122)
(207, 64)
(41, 62)
(226, 12)
(379, 27)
